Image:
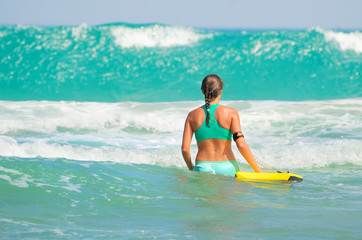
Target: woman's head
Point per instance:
(211, 87)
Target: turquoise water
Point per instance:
(91, 121)
(156, 63)
(72, 199)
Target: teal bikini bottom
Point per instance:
(223, 167)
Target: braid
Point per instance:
(207, 103)
(211, 86)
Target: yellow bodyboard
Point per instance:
(254, 176)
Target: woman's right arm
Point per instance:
(186, 143)
(243, 147)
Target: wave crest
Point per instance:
(155, 36)
(346, 41)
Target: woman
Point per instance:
(214, 125)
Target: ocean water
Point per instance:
(91, 121)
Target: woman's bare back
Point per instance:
(213, 149)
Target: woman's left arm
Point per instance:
(241, 143)
(186, 143)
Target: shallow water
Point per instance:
(58, 198)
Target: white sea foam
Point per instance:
(23, 223)
(308, 154)
(136, 154)
(302, 153)
(346, 41)
(155, 36)
(53, 117)
(284, 134)
(15, 177)
(79, 31)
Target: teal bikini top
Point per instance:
(214, 130)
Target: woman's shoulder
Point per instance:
(227, 110)
(196, 111)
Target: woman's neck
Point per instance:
(214, 101)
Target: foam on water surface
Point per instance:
(346, 41)
(284, 134)
(155, 36)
